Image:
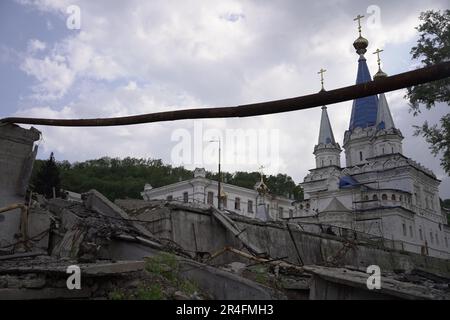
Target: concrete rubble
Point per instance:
(204, 251)
(135, 249)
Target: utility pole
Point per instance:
(219, 178)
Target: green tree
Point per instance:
(433, 46)
(47, 178)
(125, 178)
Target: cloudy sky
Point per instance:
(133, 57)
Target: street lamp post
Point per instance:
(218, 178)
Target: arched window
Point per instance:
(331, 162)
(360, 156)
(307, 206)
(400, 198)
(393, 197)
(375, 197)
(322, 163)
(366, 197)
(384, 196)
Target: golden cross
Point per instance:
(321, 72)
(377, 52)
(359, 17)
(261, 172)
(261, 169)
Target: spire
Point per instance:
(321, 72)
(380, 74)
(361, 43)
(364, 110)
(384, 117)
(326, 133)
(261, 186)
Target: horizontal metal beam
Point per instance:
(399, 81)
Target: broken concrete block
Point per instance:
(97, 202)
(39, 228)
(16, 162)
(70, 244)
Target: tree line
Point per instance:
(125, 178)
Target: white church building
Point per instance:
(253, 203)
(379, 191)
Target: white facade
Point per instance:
(243, 201)
(380, 192)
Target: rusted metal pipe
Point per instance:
(399, 81)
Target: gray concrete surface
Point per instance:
(17, 154)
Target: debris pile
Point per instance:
(135, 249)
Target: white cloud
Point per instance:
(53, 75)
(145, 56)
(35, 45)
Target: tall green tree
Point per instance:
(47, 178)
(433, 46)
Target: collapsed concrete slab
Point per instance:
(199, 231)
(17, 154)
(347, 284)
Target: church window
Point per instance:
(393, 197)
(331, 162)
(301, 207)
(392, 149)
(404, 229)
(185, 197)
(420, 234)
(210, 198)
(360, 156)
(307, 206)
(431, 237)
(322, 163)
(366, 198)
(250, 206)
(382, 150)
(410, 231)
(280, 212)
(291, 213)
(400, 198)
(384, 196)
(375, 197)
(237, 204)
